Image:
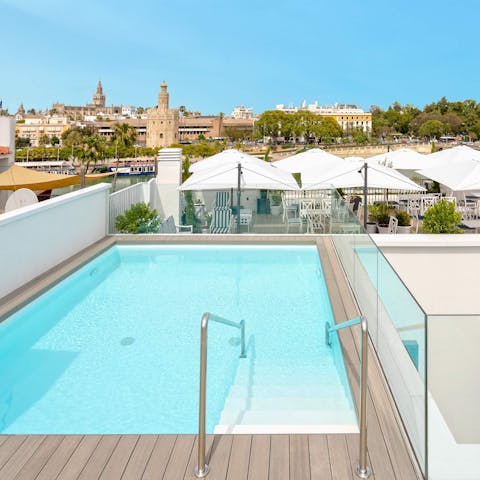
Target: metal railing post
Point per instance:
(201, 470)
(362, 470)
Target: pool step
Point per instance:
(287, 417)
(294, 389)
(284, 403)
(303, 396)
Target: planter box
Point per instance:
(371, 228)
(382, 228)
(404, 229)
(275, 209)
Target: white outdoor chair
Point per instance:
(293, 219)
(392, 225)
(315, 222)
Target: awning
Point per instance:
(18, 177)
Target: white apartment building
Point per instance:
(242, 112)
(37, 125)
(349, 117)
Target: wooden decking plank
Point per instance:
(119, 458)
(10, 446)
(239, 457)
(99, 458)
(392, 442)
(319, 457)
(138, 461)
(339, 459)
(79, 457)
(59, 457)
(345, 309)
(192, 462)
(279, 468)
(179, 457)
(3, 438)
(353, 451)
(22, 454)
(40, 457)
(299, 457)
(157, 463)
(219, 457)
(259, 458)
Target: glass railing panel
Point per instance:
(396, 325)
(453, 396)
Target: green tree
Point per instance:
(54, 140)
(431, 129)
(328, 130)
(44, 140)
(442, 218)
(138, 219)
(22, 142)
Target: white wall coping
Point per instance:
(427, 240)
(30, 210)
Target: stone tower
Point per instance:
(99, 97)
(162, 122)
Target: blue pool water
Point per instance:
(114, 348)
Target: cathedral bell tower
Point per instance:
(99, 97)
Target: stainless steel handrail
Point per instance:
(201, 470)
(361, 470)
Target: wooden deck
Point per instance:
(231, 457)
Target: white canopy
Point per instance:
(463, 176)
(354, 159)
(314, 158)
(226, 157)
(262, 176)
(403, 159)
(455, 155)
(351, 175)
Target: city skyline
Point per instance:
(214, 56)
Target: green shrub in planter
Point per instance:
(138, 219)
(442, 218)
(404, 219)
(379, 213)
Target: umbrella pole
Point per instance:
(365, 206)
(238, 196)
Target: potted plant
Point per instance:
(442, 218)
(383, 217)
(373, 212)
(276, 203)
(404, 222)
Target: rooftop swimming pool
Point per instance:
(114, 348)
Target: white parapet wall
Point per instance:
(36, 238)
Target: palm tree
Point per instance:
(91, 150)
(124, 136)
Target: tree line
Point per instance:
(435, 120)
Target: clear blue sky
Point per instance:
(215, 54)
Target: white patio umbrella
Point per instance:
(463, 176)
(403, 159)
(249, 176)
(354, 159)
(360, 174)
(351, 175)
(226, 157)
(454, 155)
(308, 160)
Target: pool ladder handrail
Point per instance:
(361, 470)
(201, 470)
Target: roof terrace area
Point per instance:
(242, 456)
(414, 431)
